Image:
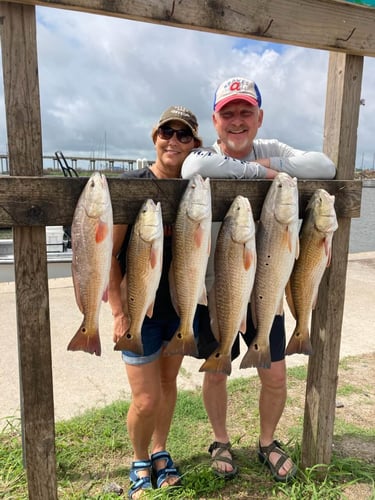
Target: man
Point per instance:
(237, 154)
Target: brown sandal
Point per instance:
(264, 453)
(218, 457)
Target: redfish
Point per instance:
(316, 235)
(228, 299)
(191, 243)
(144, 261)
(277, 249)
(92, 230)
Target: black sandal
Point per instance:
(218, 457)
(264, 457)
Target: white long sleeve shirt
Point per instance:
(211, 162)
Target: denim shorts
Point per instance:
(155, 334)
(207, 342)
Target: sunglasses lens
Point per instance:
(166, 133)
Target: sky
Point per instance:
(104, 82)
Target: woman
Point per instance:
(152, 377)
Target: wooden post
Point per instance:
(340, 136)
(21, 89)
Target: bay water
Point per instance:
(362, 229)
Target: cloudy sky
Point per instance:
(104, 82)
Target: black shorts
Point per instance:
(207, 342)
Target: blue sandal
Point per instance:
(139, 483)
(169, 470)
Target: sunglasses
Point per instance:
(183, 135)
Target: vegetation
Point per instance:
(94, 452)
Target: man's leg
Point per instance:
(271, 406)
(215, 400)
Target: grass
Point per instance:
(93, 453)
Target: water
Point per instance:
(362, 229)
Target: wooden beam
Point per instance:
(35, 201)
(21, 90)
(340, 131)
(319, 24)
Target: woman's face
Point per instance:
(171, 152)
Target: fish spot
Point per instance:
(179, 335)
(298, 334)
(129, 336)
(83, 330)
(256, 347)
(217, 355)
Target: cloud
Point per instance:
(105, 81)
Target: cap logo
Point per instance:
(235, 86)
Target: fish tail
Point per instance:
(83, 341)
(130, 342)
(299, 343)
(256, 356)
(182, 343)
(217, 363)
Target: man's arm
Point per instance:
(208, 163)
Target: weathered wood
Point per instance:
(27, 201)
(341, 121)
(321, 24)
(21, 90)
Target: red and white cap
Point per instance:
(237, 88)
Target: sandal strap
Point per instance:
(221, 446)
(274, 446)
(264, 455)
(165, 472)
(137, 482)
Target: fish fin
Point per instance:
(124, 294)
(288, 238)
(101, 231)
(247, 258)
(150, 309)
(280, 309)
(243, 325)
(82, 341)
(297, 248)
(328, 250)
(154, 256)
(77, 290)
(172, 290)
(105, 294)
(130, 342)
(203, 296)
(181, 343)
(217, 363)
(299, 343)
(289, 299)
(253, 312)
(198, 236)
(213, 314)
(256, 356)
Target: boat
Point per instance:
(59, 255)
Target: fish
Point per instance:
(277, 245)
(191, 245)
(228, 299)
(318, 227)
(92, 241)
(144, 261)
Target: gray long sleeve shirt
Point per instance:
(211, 162)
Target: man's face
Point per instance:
(237, 125)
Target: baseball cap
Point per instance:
(237, 88)
(182, 114)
